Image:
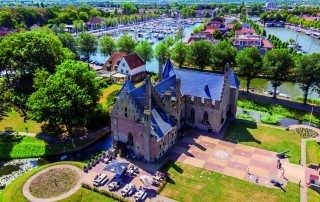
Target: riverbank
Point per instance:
(20, 146)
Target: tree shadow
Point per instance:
(238, 131)
(7, 143)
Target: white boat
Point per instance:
(160, 37)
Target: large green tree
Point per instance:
(107, 45)
(278, 64)
(144, 50)
(7, 20)
(249, 63)
(201, 53)
(24, 52)
(180, 53)
(126, 44)
(86, 44)
(67, 97)
(68, 41)
(161, 52)
(307, 72)
(223, 53)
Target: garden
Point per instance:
(188, 183)
(270, 138)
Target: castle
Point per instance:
(145, 120)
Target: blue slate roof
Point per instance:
(233, 80)
(127, 86)
(159, 120)
(168, 70)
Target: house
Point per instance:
(133, 66)
(4, 31)
(270, 5)
(243, 41)
(145, 120)
(113, 62)
(245, 31)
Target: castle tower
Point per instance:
(167, 102)
(160, 68)
(147, 120)
(178, 101)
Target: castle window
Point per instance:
(205, 117)
(192, 115)
(130, 139)
(125, 110)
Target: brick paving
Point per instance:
(204, 151)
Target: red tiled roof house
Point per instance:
(113, 62)
(133, 66)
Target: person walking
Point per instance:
(282, 173)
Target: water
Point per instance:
(309, 44)
(289, 88)
(150, 66)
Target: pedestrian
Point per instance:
(280, 165)
(248, 172)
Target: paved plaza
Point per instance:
(203, 150)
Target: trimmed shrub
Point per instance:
(245, 117)
(270, 119)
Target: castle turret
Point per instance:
(147, 120)
(160, 68)
(178, 101)
(167, 102)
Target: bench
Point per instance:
(8, 129)
(282, 155)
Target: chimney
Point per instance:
(160, 68)
(148, 93)
(167, 102)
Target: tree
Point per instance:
(180, 53)
(4, 105)
(126, 44)
(200, 53)
(83, 16)
(307, 72)
(237, 26)
(144, 50)
(68, 41)
(107, 45)
(278, 63)
(128, 8)
(86, 44)
(249, 63)
(161, 51)
(169, 41)
(179, 34)
(7, 20)
(217, 34)
(223, 53)
(67, 97)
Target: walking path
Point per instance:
(30, 197)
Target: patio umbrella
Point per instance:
(146, 180)
(117, 167)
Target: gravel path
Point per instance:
(30, 197)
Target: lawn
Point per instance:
(14, 120)
(264, 137)
(188, 183)
(16, 146)
(13, 192)
(107, 91)
(313, 152)
(313, 196)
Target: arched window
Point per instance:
(205, 117)
(125, 112)
(130, 139)
(192, 115)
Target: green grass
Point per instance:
(188, 183)
(278, 110)
(245, 117)
(87, 196)
(16, 146)
(13, 192)
(313, 196)
(264, 137)
(107, 91)
(14, 120)
(313, 152)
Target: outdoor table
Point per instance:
(126, 189)
(139, 194)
